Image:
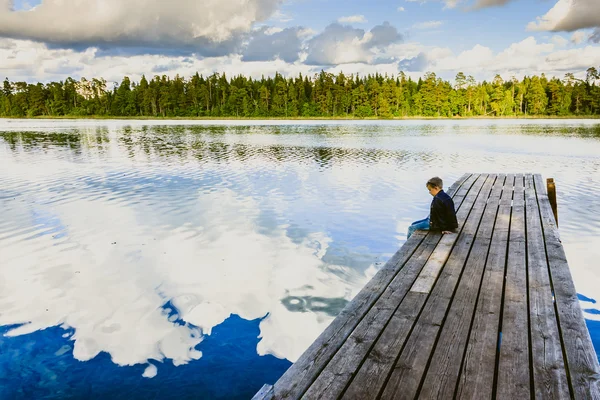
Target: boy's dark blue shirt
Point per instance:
(442, 216)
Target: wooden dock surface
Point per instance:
(490, 312)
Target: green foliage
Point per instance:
(323, 95)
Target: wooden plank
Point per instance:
(549, 374)
(371, 376)
(406, 376)
(444, 367)
(479, 366)
(514, 362)
(265, 393)
(338, 372)
(582, 362)
(342, 367)
(298, 378)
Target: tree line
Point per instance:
(322, 95)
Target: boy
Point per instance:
(442, 216)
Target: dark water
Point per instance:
(198, 260)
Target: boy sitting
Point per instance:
(442, 216)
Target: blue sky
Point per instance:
(495, 27)
(49, 39)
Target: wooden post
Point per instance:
(551, 188)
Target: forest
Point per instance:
(324, 95)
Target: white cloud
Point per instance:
(32, 62)
(474, 59)
(339, 44)
(582, 14)
(559, 41)
(304, 32)
(490, 3)
(272, 43)
(359, 19)
(137, 23)
(526, 57)
(400, 9)
(578, 37)
(6, 5)
(271, 50)
(427, 24)
(569, 15)
(550, 20)
(271, 30)
(451, 3)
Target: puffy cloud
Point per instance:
(339, 44)
(400, 9)
(474, 59)
(582, 14)
(569, 15)
(152, 24)
(360, 19)
(267, 44)
(490, 3)
(29, 61)
(578, 37)
(548, 21)
(523, 58)
(383, 35)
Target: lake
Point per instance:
(199, 259)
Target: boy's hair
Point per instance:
(435, 182)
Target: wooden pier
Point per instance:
(488, 313)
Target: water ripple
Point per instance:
(105, 223)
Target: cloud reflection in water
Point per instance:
(140, 239)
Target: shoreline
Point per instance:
(417, 118)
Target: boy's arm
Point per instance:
(450, 215)
(437, 214)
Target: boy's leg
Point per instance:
(418, 225)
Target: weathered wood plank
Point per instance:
(338, 372)
(479, 365)
(298, 378)
(406, 376)
(265, 393)
(444, 368)
(549, 373)
(374, 372)
(582, 362)
(514, 362)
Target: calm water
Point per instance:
(199, 259)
